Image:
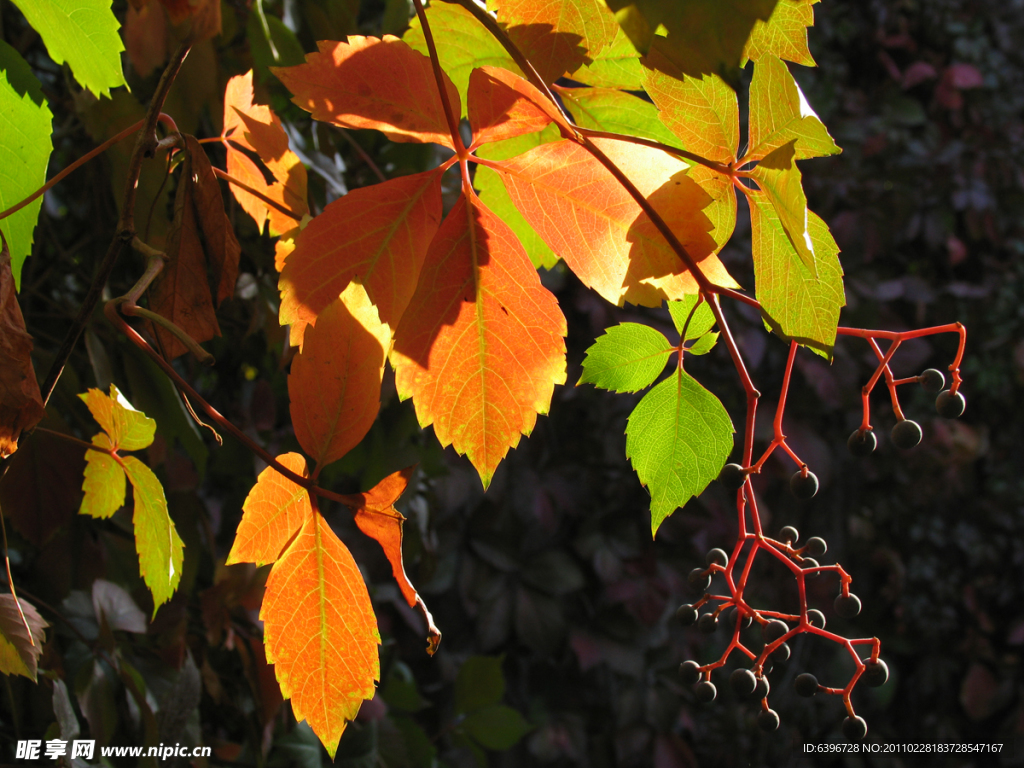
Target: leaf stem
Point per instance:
(10, 579)
(435, 63)
(592, 133)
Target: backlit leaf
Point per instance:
(480, 348)
(127, 428)
(704, 344)
(334, 383)
(19, 651)
(273, 512)
(721, 211)
(320, 631)
(608, 109)
(26, 125)
(627, 358)
(104, 482)
(677, 438)
(785, 34)
(701, 320)
(615, 66)
(377, 236)
(156, 538)
(379, 520)
(342, 84)
(780, 181)
(503, 105)
(84, 34)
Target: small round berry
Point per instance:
(810, 562)
(803, 486)
(686, 615)
(906, 434)
(806, 684)
(689, 672)
(768, 666)
(742, 682)
(717, 557)
(707, 623)
(768, 720)
(949, 405)
(699, 580)
(789, 535)
(706, 692)
(847, 606)
(816, 618)
(734, 616)
(862, 443)
(782, 653)
(815, 546)
(732, 476)
(932, 381)
(855, 728)
(761, 689)
(773, 630)
(876, 673)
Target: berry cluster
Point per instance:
(778, 629)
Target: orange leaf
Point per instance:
(335, 381)
(503, 105)
(222, 247)
(272, 514)
(377, 236)
(21, 403)
(480, 347)
(320, 631)
(145, 37)
(572, 202)
(372, 83)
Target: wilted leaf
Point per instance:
(627, 358)
(273, 511)
(19, 651)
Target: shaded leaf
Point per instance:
(115, 606)
(781, 184)
(145, 37)
(480, 348)
(273, 512)
(496, 727)
(222, 249)
(677, 438)
(342, 84)
(503, 105)
(103, 486)
(20, 651)
(627, 358)
(608, 109)
(617, 65)
(127, 428)
(785, 34)
(479, 683)
(67, 720)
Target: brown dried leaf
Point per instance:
(222, 249)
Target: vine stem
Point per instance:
(10, 578)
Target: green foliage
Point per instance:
(628, 358)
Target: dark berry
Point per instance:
(689, 672)
(816, 618)
(732, 476)
(847, 606)
(761, 689)
(932, 380)
(815, 546)
(686, 615)
(862, 443)
(698, 580)
(707, 623)
(768, 666)
(706, 692)
(768, 720)
(733, 617)
(949, 405)
(876, 673)
(803, 486)
(742, 682)
(782, 653)
(906, 434)
(789, 535)
(810, 562)
(773, 630)
(806, 684)
(717, 557)
(855, 728)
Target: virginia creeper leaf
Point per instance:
(608, 109)
(779, 113)
(497, 727)
(780, 181)
(84, 34)
(320, 631)
(721, 211)
(335, 381)
(396, 221)
(145, 37)
(678, 438)
(627, 358)
(479, 683)
(801, 306)
(704, 344)
(21, 403)
(701, 320)
(25, 123)
(503, 105)
(568, 197)
(615, 66)
(272, 514)
(115, 606)
(480, 347)
(156, 538)
(104, 481)
(343, 84)
(463, 44)
(19, 652)
(127, 428)
(785, 34)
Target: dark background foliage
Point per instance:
(554, 571)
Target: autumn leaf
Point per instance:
(342, 84)
(127, 429)
(20, 650)
(781, 184)
(627, 358)
(615, 111)
(617, 65)
(103, 486)
(784, 34)
(503, 105)
(273, 512)
(480, 347)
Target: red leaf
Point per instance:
(372, 83)
(145, 37)
(503, 105)
(480, 347)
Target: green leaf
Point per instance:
(26, 126)
(479, 683)
(703, 319)
(104, 482)
(704, 344)
(129, 429)
(781, 183)
(701, 111)
(19, 652)
(286, 44)
(785, 34)
(418, 747)
(607, 109)
(800, 306)
(677, 438)
(779, 113)
(84, 34)
(497, 727)
(615, 66)
(156, 539)
(627, 358)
